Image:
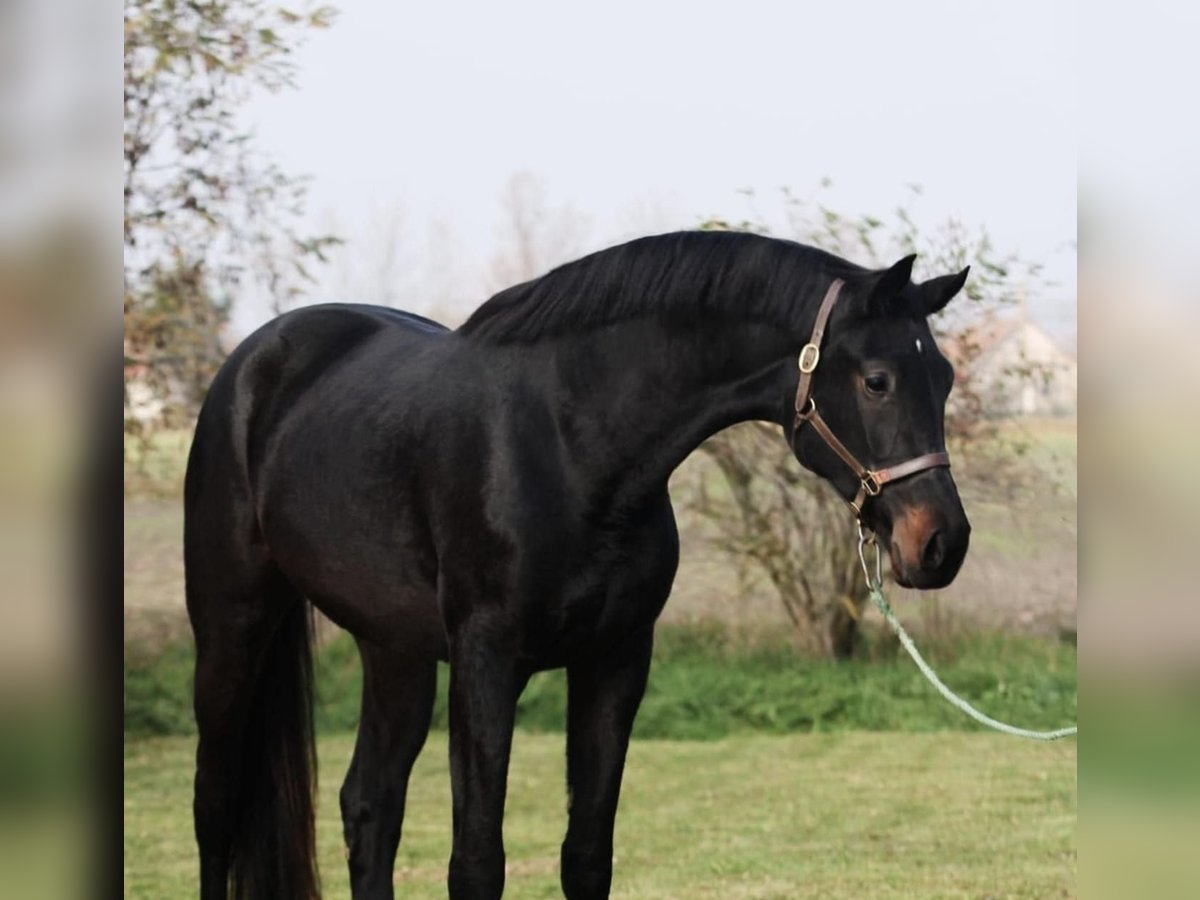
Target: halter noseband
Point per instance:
(871, 481)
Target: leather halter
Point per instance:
(871, 481)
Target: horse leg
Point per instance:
(397, 703)
(484, 686)
(250, 697)
(602, 699)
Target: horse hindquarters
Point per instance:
(255, 763)
(254, 816)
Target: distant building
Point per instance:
(1015, 368)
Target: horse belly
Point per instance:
(365, 564)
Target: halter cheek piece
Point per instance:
(871, 481)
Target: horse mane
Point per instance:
(681, 275)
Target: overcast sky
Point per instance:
(655, 114)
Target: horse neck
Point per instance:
(634, 399)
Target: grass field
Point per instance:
(854, 815)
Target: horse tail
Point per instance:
(274, 847)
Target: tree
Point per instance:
(381, 268)
(534, 238)
(206, 217)
(776, 522)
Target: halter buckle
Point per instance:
(870, 484)
(810, 355)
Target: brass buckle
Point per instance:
(871, 485)
(810, 355)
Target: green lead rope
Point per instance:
(882, 605)
(875, 586)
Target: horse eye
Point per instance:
(877, 383)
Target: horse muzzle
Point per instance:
(927, 547)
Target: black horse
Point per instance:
(496, 496)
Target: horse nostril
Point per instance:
(934, 552)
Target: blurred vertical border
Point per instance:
(1139, 609)
(60, 283)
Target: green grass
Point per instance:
(706, 684)
(848, 815)
(155, 465)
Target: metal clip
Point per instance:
(864, 538)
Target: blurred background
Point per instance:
(423, 158)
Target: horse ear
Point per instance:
(889, 283)
(934, 294)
